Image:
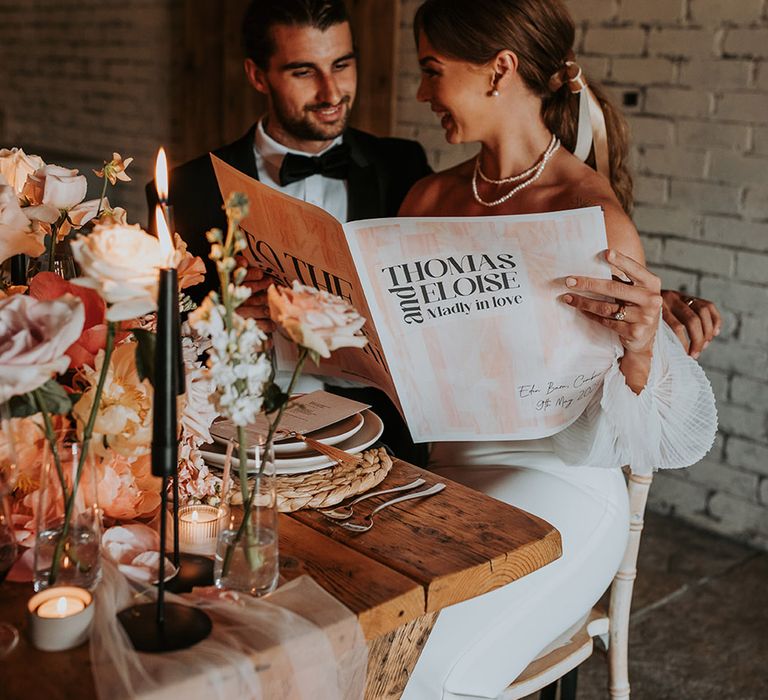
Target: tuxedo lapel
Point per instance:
(240, 155)
(363, 187)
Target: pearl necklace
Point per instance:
(533, 173)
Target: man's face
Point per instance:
(310, 84)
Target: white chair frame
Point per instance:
(568, 652)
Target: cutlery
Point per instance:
(367, 523)
(345, 512)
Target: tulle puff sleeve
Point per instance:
(670, 424)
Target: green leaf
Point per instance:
(57, 401)
(145, 353)
(274, 397)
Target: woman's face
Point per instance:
(457, 91)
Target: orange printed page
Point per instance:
(292, 240)
(467, 309)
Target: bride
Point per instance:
(502, 73)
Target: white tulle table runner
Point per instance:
(299, 642)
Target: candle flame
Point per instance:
(164, 236)
(195, 516)
(61, 606)
(161, 175)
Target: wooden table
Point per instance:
(421, 556)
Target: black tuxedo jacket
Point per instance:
(381, 172)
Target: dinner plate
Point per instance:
(369, 432)
(223, 431)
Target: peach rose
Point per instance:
(16, 233)
(316, 320)
(121, 262)
(34, 337)
(16, 166)
(127, 490)
(59, 187)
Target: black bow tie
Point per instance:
(333, 163)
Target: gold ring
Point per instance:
(620, 315)
(690, 301)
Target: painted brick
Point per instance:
(593, 11)
(738, 420)
(673, 494)
(696, 256)
(746, 42)
(643, 71)
(653, 219)
(732, 356)
(682, 42)
(751, 267)
(764, 492)
(719, 381)
(662, 101)
(615, 41)
(727, 166)
(738, 515)
(756, 202)
(652, 11)
(728, 74)
(677, 162)
(748, 454)
(734, 232)
(653, 246)
(705, 197)
(725, 479)
(713, 12)
(595, 67)
(754, 330)
(705, 134)
(685, 282)
(735, 295)
(651, 131)
(652, 190)
(742, 107)
(749, 392)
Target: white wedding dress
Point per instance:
(573, 480)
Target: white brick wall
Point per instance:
(700, 135)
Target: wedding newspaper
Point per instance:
(467, 333)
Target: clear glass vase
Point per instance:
(63, 262)
(68, 536)
(247, 547)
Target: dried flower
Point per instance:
(115, 169)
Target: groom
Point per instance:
(301, 56)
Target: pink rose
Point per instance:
(316, 320)
(16, 166)
(16, 233)
(59, 187)
(34, 337)
(127, 490)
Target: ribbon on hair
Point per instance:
(591, 127)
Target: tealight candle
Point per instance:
(60, 617)
(198, 528)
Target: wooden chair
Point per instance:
(560, 665)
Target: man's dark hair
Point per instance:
(262, 15)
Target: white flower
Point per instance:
(121, 262)
(60, 187)
(34, 335)
(16, 233)
(316, 320)
(16, 166)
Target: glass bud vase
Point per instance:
(68, 535)
(63, 262)
(247, 546)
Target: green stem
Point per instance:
(248, 505)
(51, 437)
(87, 433)
(52, 246)
(103, 193)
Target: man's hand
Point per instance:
(695, 321)
(256, 305)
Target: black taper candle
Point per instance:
(167, 210)
(164, 420)
(19, 269)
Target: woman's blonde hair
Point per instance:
(541, 33)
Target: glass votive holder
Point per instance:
(199, 526)
(60, 617)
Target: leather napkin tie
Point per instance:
(333, 163)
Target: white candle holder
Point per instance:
(60, 618)
(199, 526)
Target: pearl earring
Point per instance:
(494, 93)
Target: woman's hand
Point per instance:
(632, 310)
(694, 321)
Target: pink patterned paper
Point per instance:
(465, 310)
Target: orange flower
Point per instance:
(115, 169)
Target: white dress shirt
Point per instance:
(325, 192)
